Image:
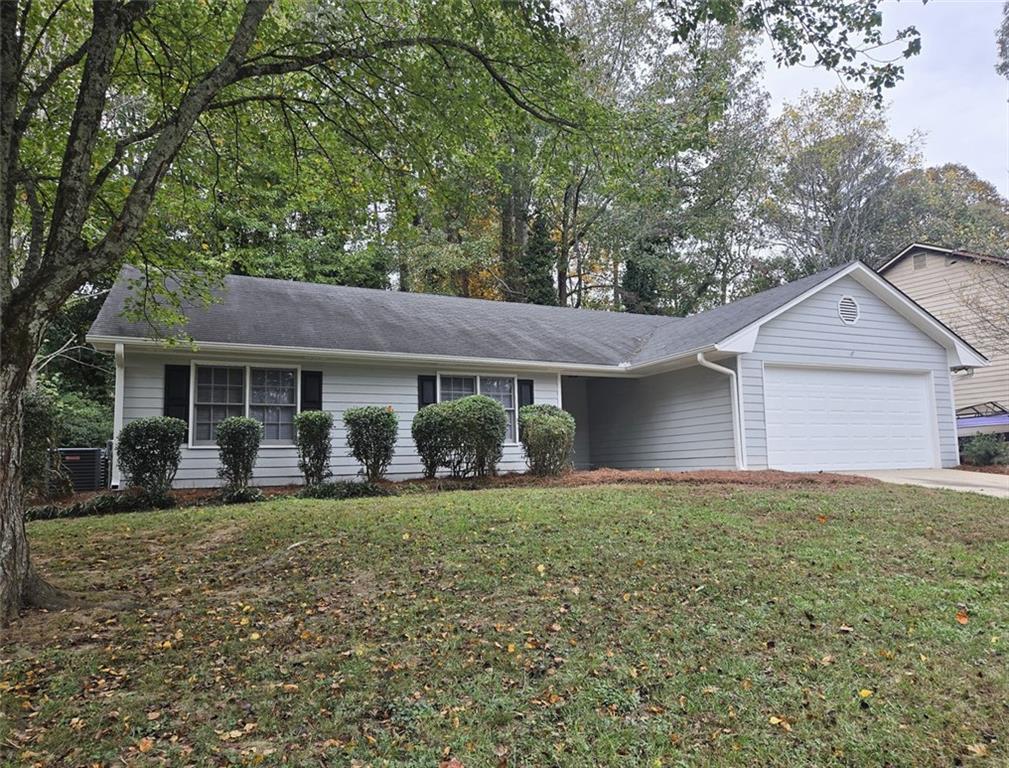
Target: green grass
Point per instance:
(631, 626)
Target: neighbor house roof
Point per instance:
(973, 255)
(277, 315)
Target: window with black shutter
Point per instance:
(311, 390)
(525, 392)
(427, 391)
(176, 402)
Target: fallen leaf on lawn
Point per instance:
(406, 537)
(254, 636)
(865, 693)
(540, 569)
(826, 660)
(453, 762)
(821, 519)
(978, 750)
(961, 616)
(153, 715)
(146, 744)
(845, 628)
(780, 722)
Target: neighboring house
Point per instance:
(948, 283)
(834, 371)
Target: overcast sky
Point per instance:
(950, 91)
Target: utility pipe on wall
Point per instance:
(737, 413)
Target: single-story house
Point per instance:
(838, 370)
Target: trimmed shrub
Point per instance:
(432, 436)
(371, 437)
(547, 434)
(985, 450)
(314, 446)
(343, 490)
(148, 452)
(477, 428)
(246, 495)
(238, 444)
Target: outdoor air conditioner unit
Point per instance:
(85, 467)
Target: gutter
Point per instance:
(738, 431)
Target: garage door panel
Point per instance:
(830, 419)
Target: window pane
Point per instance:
(456, 387)
(272, 400)
(220, 393)
(500, 388)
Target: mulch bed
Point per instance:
(191, 497)
(999, 469)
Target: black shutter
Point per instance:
(311, 390)
(525, 392)
(427, 391)
(177, 392)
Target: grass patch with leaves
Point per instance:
(632, 625)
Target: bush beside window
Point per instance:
(463, 436)
(371, 437)
(547, 434)
(314, 446)
(238, 441)
(985, 451)
(432, 436)
(149, 451)
(479, 425)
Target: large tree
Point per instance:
(104, 106)
(127, 125)
(832, 163)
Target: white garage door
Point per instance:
(821, 418)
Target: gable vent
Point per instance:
(847, 310)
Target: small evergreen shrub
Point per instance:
(477, 428)
(238, 444)
(985, 451)
(431, 430)
(246, 495)
(371, 437)
(343, 490)
(547, 434)
(149, 451)
(314, 446)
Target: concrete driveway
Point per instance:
(952, 479)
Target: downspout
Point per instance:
(117, 413)
(737, 413)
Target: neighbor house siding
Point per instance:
(811, 333)
(676, 420)
(344, 385)
(942, 285)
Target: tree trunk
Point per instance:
(20, 585)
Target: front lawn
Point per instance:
(596, 626)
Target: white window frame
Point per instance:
(247, 395)
(470, 374)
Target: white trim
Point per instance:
(560, 396)
(907, 249)
(247, 394)
(742, 410)
(117, 413)
(960, 353)
(737, 432)
(496, 375)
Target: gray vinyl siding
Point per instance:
(575, 397)
(344, 385)
(679, 420)
(811, 333)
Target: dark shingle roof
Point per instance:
(281, 313)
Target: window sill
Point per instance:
(261, 446)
